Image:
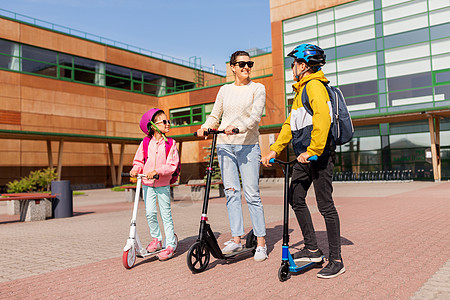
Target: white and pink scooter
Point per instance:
(134, 248)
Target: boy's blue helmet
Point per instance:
(313, 55)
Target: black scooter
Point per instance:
(199, 253)
(288, 265)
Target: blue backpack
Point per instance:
(342, 126)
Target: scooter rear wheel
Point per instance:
(283, 273)
(129, 258)
(251, 241)
(198, 257)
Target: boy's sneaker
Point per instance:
(231, 247)
(308, 255)
(155, 245)
(166, 253)
(260, 253)
(332, 269)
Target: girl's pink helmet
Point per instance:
(146, 118)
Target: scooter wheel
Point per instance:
(129, 258)
(251, 241)
(198, 257)
(283, 273)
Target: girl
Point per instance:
(155, 125)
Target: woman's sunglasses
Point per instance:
(243, 63)
(165, 122)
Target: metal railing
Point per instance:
(105, 41)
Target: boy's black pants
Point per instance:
(320, 174)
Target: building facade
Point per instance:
(391, 59)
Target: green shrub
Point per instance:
(36, 181)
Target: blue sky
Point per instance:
(209, 29)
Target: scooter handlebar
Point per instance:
(125, 174)
(273, 160)
(215, 131)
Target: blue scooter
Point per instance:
(287, 262)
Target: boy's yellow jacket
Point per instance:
(308, 133)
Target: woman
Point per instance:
(240, 105)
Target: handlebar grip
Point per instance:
(236, 130)
(313, 158)
(272, 160)
(125, 174)
(156, 176)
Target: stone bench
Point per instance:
(31, 207)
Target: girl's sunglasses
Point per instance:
(243, 63)
(165, 122)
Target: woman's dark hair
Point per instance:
(236, 54)
(151, 131)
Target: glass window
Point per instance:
(360, 88)
(409, 81)
(356, 48)
(353, 36)
(84, 69)
(360, 61)
(439, 31)
(365, 102)
(299, 22)
(325, 15)
(118, 77)
(440, 46)
(353, 8)
(411, 97)
(440, 62)
(442, 93)
(297, 36)
(409, 127)
(407, 52)
(180, 116)
(39, 61)
(408, 67)
(9, 55)
(411, 140)
(404, 10)
(326, 29)
(354, 76)
(439, 17)
(354, 22)
(405, 24)
(406, 38)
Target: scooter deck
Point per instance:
(242, 251)
(146, 254)
(302, 265)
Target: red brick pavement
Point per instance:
(390, 246)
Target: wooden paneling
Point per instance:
(10, 117)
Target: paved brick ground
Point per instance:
(395, 241)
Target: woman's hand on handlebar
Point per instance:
(265, 160)
(201, 132)
(230, 130)
(133, 173)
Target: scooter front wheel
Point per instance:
(129, 258)
(198, 257)
(283, 272)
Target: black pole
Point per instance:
(209, 172)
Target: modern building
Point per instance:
(391, 59)
(72, 100)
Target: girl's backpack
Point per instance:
(168, 144)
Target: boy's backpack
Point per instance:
(168, 144)
(342, 126)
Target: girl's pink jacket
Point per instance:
(156, 161)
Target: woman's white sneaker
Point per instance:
(260, 253)
(231, 247)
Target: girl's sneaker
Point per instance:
(155, 245)
(166, 253)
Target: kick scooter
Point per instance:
(199, 253)
(288, 265)
(134, 247)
